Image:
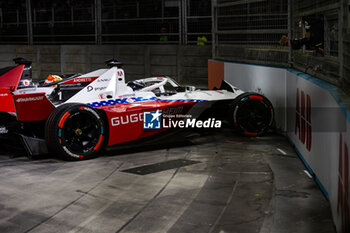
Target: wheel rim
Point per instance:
(81, 132)
(253, 116)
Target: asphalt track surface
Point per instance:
(217, 182)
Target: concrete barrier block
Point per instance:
(101, 50)
(195, 50)
(50, 58)
(49, 49)
(7, 49)
(6, 64)
(76, 58)
(100, 58)
(134, 69)
(74, 49)
(163, 60)
(49, 67)
(95, 66)
(195, 72)
(195, 61)
(26, 49)
(163, 49)
(129, 50)
(131, 59)
(74, 68)
(163, 71)
(7, 57)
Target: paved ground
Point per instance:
(216, 183)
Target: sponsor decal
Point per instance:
(135, 100)
(78, 81)
(303, 119)
(120, 101)
(4, 94)
(70, 84)
(343, 202)
(123, 120)
(92, 111)
(29, 99)
(82, 80)
(120, 73)
(26, 82)
(127, 95)
(100, 88)
(90, 88)
(172, 111)
(103, 80)
(70, 153)
(152, 120)
(3, 130)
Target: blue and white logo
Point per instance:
(152, 120)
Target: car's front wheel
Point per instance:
(252, 113)
(75, 132)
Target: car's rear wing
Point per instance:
(9, 79)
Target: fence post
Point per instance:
(290, 34)
(180, 22)
(98, 22)
(341, 40)
(29, 23)
(213, 28)
(1, 18)
(184, 16)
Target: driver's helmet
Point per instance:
(51, 78)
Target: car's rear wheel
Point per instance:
(75, 132)
(252, 114)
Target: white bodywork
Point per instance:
(110, 85)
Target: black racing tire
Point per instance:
(252, 113)
(75, 132)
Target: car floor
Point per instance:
(214, 182)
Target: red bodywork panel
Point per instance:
(9, 82)
(10, 79)
(80, 80)
(126, 120)
(6, 101)
(32, 107)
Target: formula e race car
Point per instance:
(75, 117)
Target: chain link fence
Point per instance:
(317, 38)
(251, 31)
(105, 22)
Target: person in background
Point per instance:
(284, 41)
(201, 40)
(163, 37)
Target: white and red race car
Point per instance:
(80, 115)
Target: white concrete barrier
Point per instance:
(310, 114)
